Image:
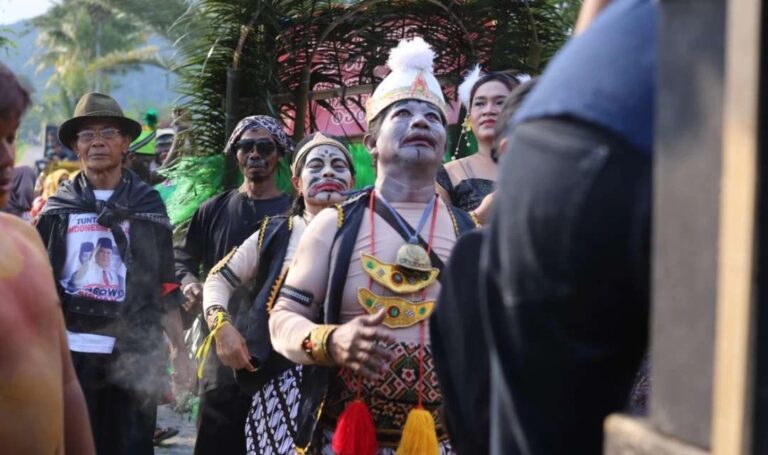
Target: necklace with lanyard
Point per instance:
(412, 256)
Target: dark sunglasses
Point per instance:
(265, 147)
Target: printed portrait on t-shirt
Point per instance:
(94, 268)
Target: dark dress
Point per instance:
(468, 194)
(569, 240)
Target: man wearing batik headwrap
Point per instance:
(217, 227)
(357, 314)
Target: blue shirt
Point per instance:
(605, 76)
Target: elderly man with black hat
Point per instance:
(219, 225)
(114, 330)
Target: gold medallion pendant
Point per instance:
(412, 256)
(397, 278)
(400, 313)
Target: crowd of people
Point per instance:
(494, 304)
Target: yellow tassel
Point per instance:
(419, 434)
(202, 352)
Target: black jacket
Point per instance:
(140, 355)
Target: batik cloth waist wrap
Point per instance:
(391, 397)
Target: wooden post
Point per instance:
(693, 155)
(687, 168)
(734, 372)
(686, 216)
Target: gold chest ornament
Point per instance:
(396, 277)
(411, 272)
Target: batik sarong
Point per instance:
(271, 423)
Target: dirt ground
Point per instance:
(184, 442)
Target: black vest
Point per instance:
(252, 317)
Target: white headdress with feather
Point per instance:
(465, 88)
(411, 63)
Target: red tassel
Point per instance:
(355, 433)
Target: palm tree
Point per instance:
(286, 51)
(85, 42)
(5, 42)
(291, 58)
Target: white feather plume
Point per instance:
(413, 54)
(523, 77)
(465, 88)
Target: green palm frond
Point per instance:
(84, 42)
(294, 47)
(119, 60)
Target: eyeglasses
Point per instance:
(88, 136)
(265, 147)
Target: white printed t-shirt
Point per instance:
(93, 270)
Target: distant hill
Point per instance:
(135, 91)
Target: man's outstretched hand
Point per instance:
(357, 345)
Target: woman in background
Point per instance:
(466, 182)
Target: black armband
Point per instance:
(297, 295)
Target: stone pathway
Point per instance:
(184, 442)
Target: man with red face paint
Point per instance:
(219, 225)
(38, 387)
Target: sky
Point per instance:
(15, 10)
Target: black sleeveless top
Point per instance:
(468, 194)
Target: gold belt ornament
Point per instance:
(400, 313)
(397, 278)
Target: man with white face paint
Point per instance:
(322, 173)
(355, 303)
(319, 173)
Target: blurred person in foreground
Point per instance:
(456, 324)
(568, 246)
(115, 326)
(39, 390)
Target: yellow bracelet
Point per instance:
(222, 318)
(316, 345)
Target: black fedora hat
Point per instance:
(97, 105)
